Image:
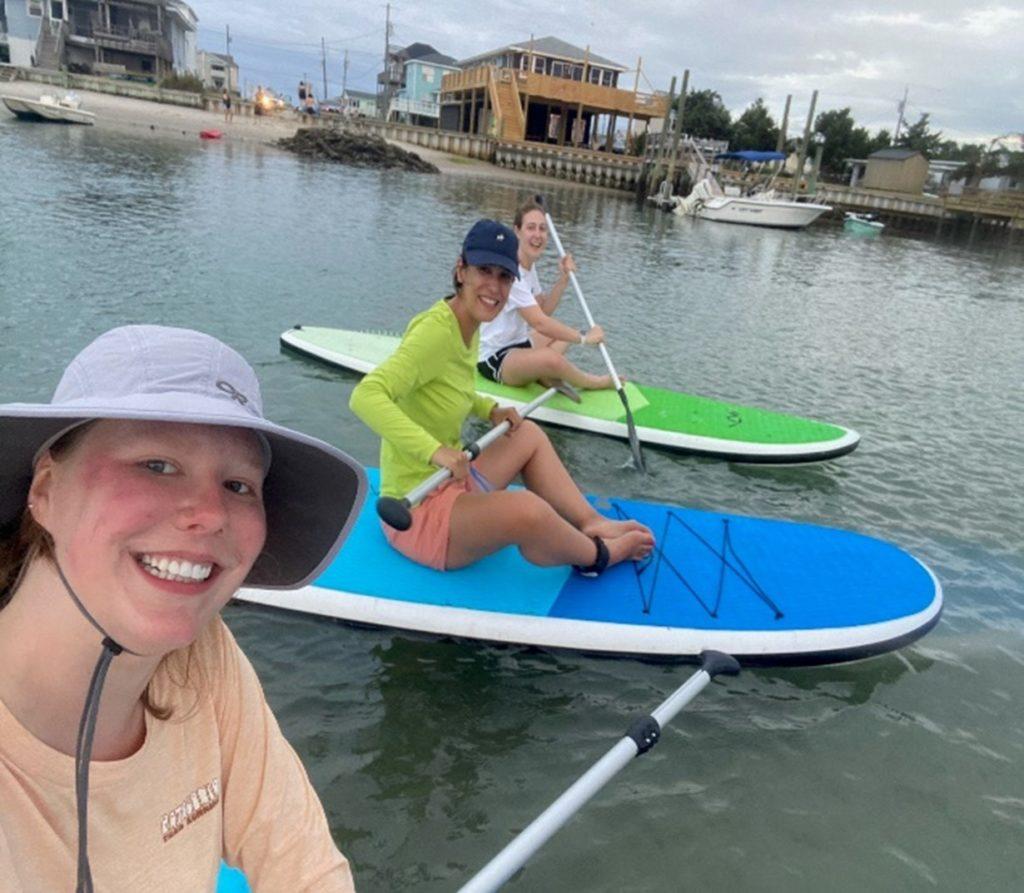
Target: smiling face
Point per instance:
(484, 290)
(533, 237)
(155, 524)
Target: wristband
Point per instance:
(583, 337)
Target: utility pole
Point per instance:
(323, 64)
(804, 143)
(385, 94)
(344, 77)
(227, 51)
(902, 108)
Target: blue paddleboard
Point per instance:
(767, 592)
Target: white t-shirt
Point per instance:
(509, 327)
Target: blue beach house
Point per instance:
(411, 85)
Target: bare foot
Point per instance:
(606, 528)
(633, 546)
(597, 383)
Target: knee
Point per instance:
(530, 432)
(552, 362)
(528, 513)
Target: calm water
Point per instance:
(903, 772)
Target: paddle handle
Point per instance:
(641, 736)
(397, 512)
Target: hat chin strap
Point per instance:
(86, 730)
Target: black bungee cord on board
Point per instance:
(86, 730)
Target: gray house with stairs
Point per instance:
(139, 39)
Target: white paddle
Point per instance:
(634, 440)
(641, 736)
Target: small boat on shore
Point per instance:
(862, 224)
(66, 110)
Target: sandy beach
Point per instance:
(167, 121)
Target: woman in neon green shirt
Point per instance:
(417, 401)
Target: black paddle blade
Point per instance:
(634, 440)
(394, 512)
(567, 390)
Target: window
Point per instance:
(538, 64)
(35, 8)
(556, 69)
(607, 78)
(594, 75)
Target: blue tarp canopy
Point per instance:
(750, 155)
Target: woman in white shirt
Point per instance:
(525, 343)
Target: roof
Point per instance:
(895, 154)
(360, 94)
(224, 57)
(549, 46)
(435, 59)
(752, 155)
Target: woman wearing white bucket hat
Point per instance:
(132, 508)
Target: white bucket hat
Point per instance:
(312, 492)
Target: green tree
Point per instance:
(918, 136)
(705, 115)
(755, 128)
(843, 139)
(881, 140)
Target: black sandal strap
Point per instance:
(600, 561)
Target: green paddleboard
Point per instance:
(663, 418)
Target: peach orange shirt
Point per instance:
(216, 780)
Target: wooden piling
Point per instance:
(802, 157)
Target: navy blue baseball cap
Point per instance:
(490, 243)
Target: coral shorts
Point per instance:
(426, 541)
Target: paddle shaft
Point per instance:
(634, 440)
(643, 734)
(415, 496)
(583, 303)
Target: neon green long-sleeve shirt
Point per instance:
(418, 398)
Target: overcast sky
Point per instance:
(960, 60)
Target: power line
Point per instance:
(335, 43)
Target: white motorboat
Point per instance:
(708, 201)
(761, 206)
(66, 110)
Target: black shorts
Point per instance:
(491, 367)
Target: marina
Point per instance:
(913, 756)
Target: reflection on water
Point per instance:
(431, 754)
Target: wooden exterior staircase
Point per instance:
(50, 44)
(508, 110)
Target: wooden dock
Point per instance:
(975, 210)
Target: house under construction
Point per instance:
(546, 90)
